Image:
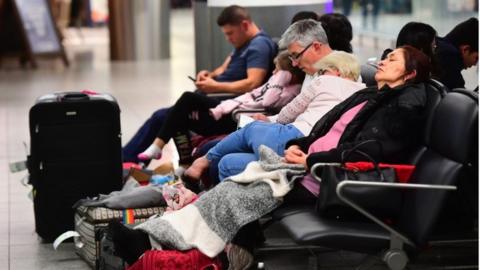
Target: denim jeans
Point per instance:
(241, 147)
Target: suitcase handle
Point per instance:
(73, 97)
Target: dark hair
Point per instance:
(418, 35)
(465, 33)
(415, 60)
(233, 15)
(283, 60)
(339, 31)
(303, 15)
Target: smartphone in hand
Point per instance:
(191, 78)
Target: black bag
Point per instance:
(75, 152)
(381, 202)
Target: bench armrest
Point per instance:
(355, 206)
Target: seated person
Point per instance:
(338, 80)
(457, 51)
(304, 15)
(205, 116)
(390, 114)
(336, 25)
(280, 89)
(339, 31)
(418, 35)
(246, 68)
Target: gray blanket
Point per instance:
(132, 195)
(214, 219)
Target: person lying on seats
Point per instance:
(338, 80)
(207, 116)
(247, 67)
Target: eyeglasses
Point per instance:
(296, 58)
(321, 71)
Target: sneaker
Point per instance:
(239, 258)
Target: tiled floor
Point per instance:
(140, 88)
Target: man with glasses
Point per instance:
(307, 43)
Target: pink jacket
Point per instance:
(275, 93)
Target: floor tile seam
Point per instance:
(9, 213)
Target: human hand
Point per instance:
(295, 155)
(202, 75)
(207, 85)
(260, 117)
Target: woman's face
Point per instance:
(391, 70)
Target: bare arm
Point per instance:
(255, 77)
(219, 70)
(203, 74)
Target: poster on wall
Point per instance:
(39, 29)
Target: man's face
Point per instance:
(235, 34)
(304, 57)
(470, 57)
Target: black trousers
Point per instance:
(191, 112)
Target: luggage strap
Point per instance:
(66, 235)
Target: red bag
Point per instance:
(402, 171)
(176, 260)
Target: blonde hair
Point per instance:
(345, 63)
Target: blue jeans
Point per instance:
(144, 136)
(241, 147)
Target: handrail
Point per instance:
(346, 183)
(316, 165)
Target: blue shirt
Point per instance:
(256, 53)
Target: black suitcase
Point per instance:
(75, 152)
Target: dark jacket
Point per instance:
(391, 116)
(450, 64)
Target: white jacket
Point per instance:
(315, 100)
